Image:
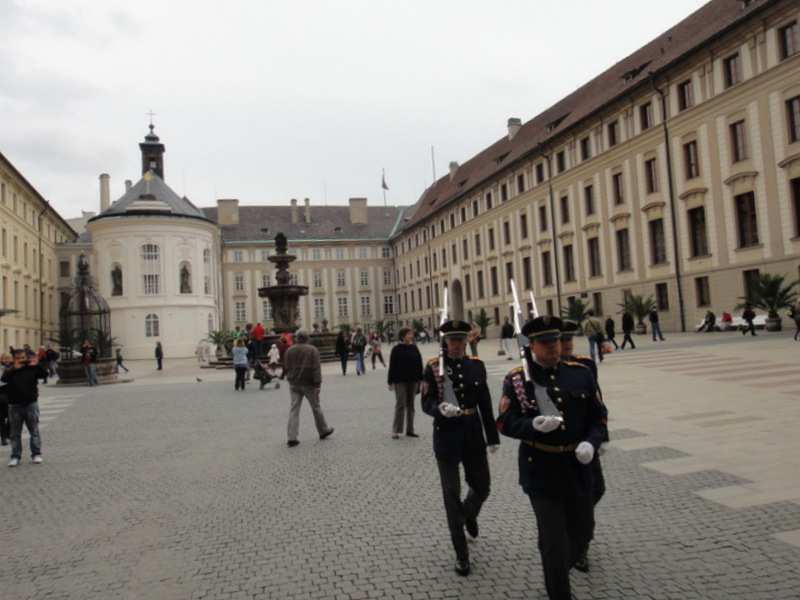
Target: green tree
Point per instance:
(346, 328)
(576, 310)
(218, 338)
(482, 320)
(638, 306)
(380, 326)
(770, 294)
(417, 325)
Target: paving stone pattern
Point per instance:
(173, 488)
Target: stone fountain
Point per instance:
(283, 296)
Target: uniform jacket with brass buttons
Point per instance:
(460, 438)
(548, 466)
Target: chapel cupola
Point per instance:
(152, 154)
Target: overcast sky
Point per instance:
(265, 101)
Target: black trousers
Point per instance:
(626, 338)
(566, 526)
(476, 474)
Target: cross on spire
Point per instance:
(147, 177)
(152, 114)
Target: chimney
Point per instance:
(294, 210)
(514, 125)
(128, 185)
(308, 210)
(358, 211)
(228, 211)
(105, 193)
(453, 169)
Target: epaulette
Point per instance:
(433, 362)
(474, 358)
(573, 363)
(582, 357)
(516, 371)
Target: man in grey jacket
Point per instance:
(303, 370)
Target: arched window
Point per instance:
(151, 268)
(151, 328)
(116, 280)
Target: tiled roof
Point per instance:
(329, 223)
(155, 198)
(696, 30)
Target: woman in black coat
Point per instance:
(404, 377)
(343, 349)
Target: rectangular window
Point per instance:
(506, 233)
(697, 231)
(342, 307)
(474, 208)
(364, 278)
(317, 280)
(477, 244)
(386, 252)
(561, 164)
(363, 253)
(491, 239)
(319, 308)
(793, 113)
(340, 279)
(241, 312)
(658, 249)
(266, 310)
(586, 148)
(613, 134)
(387, 277)
(651, 176)
(623, 250)
(265, 281)
(702, 291)
(795, 186)
(662, 296)
(543, 218)
(63, 266)
(503, 192)
(151, 283)
(685, 95)
(569, 264)
(789, 41)
(540, 173)
(366, 306)
(479, 277)
(526, 273)
(597, 303)
(616, 182)
(547, 270)
(206, 285)
(523, 226)
(520, 183)
(746, 219)
(564, 209)
(238, 283)
(488, 199)
(646, 115)
(739, 142)
(444, 260)
(238, 256)
(316, 254)
(388, 304)
(509, 276)
(339, 253)
(493, 282)
(588, 197)
(264, 255)
(691, 160)
(732, 68)
(468, 287)
(594, 257)
(465, 249)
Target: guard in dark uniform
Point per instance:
(463, 423)
(568, 330)
(559, 417)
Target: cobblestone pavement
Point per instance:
(169, 487)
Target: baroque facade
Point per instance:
(29, 232)
(675, 173)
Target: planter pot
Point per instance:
(641, 329)
(772, 324)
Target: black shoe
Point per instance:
(292, 443)
(411, 434)
(462, 567)
(582, 564)
(472, 528)
(326, 434)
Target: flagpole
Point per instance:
(384, 186)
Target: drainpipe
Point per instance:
(676, 253)
(557, 272)
(41, 276)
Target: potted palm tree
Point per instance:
(218, 338)
(771, 294)
(576, 310)
(639, 307)
(482, 320)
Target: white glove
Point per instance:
(494, 448)
(546, 424)
(584, 453)
(604, 447)
(448, 410)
